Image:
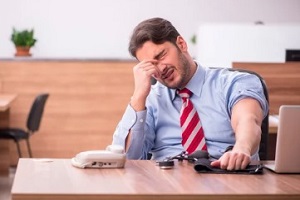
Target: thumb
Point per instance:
(215, 163)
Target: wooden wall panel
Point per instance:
(87, 99)
(282, 79)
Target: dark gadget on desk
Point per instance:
(113, 157)
(168, 163)
(202, 163)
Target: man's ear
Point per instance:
(181, 43)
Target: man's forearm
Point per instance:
(246, 122)
(248, 136)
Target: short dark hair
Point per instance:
(156, 30)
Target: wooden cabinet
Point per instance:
(87, 99)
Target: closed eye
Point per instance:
(160, 55)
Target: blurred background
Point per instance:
(101, 28)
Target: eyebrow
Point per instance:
(156, 57)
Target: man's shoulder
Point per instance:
(226, 74)
(217, 74)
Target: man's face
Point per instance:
(175, 71)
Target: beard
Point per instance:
(183, 71)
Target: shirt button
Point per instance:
(141, 120)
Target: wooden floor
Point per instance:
(6, 184)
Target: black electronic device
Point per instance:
(168, 163)
(292, 55)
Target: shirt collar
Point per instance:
(195, 84)
(197, 81)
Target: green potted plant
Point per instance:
(23, 41)
(194, 39)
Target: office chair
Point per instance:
(263, 147)
(33, 124)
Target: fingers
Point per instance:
(153, 68)
(143, 72)
(215, 163)
(147, 67)
(232, 161)
(245, 163)
(238, 163)
(225, 162)
(151, 71)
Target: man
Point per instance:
(230, 105)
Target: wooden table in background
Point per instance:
(273, 127)
(273, 124)
(143, 179)
(5, 102)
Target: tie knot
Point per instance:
(184, 93)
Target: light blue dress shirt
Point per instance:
(215, 92)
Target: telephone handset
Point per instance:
(113, 157)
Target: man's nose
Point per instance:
(162, 67)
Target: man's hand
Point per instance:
(142, 73)
(232, 160)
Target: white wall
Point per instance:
(101, 28)
(219, 45)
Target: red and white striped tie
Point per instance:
(192, 131)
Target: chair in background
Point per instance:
(33, 124)
(263, 147)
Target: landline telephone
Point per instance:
(113, 157)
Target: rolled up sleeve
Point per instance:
(246, 86)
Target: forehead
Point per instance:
(149, 50)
